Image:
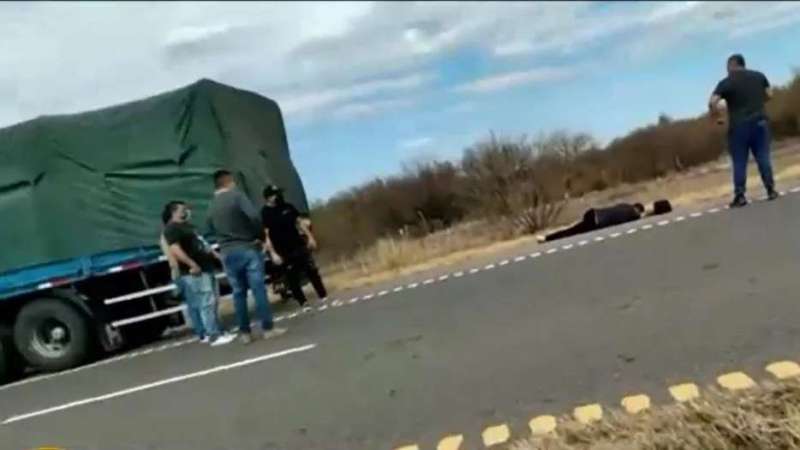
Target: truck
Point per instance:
(81, 271)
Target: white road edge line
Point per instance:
(156, 384)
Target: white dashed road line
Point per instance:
(144, 387)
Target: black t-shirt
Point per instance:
(187, 238)
(281, 221)
(615, 215)
(745, 92)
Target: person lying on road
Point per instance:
(597, 218)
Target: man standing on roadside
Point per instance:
(235, 222)
(194, 262)
(745, 92)
(289, 241)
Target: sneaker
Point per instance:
(205, 340)
(738, 201)
(245, 338)
(773, 195)
(275, 332)
(223, 340)
(541, 239)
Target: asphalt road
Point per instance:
(588, 323)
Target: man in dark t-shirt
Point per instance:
(195, 261)
(745, 93)
(289, 241)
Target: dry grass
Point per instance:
(766, 417)
(392, 257)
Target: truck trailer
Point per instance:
(81, 271)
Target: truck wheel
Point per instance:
(52, 335)
(11, 364)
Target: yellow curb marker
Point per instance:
(735, 381)
(684, 392)
(784, 369)
(450, 443)
(636, 403)
(497, 434)
(588, 413)
(542, 425)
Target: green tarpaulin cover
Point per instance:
(94, 182)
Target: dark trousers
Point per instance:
(588, 223)
(299, 262)
(750, 136)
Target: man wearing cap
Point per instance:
(289, 240)
(745, 93)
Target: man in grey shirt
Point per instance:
(745, 92)
(234, 221)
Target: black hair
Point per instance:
(662, 207)
(738, 59)
(220, 177)
(639, 207)
(169, 209)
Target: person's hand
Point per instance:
(276, 258)
(194, 269)
(312, 244)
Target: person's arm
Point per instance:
(181, 256)
(270, 249)
(173, 263)
(304, 224)
(767, 88)
(713, 102)
(247, 208)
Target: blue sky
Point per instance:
(606, 100)
(366, 87)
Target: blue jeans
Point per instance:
(750, 136)
(245, 270)
(200, 294)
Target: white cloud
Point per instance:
(369, 108)
(518, 78)
(416, 143)
(313, 102)
(314, 56)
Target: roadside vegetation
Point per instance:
(765, 417)
(510, 187)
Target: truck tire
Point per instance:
(53, 335)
